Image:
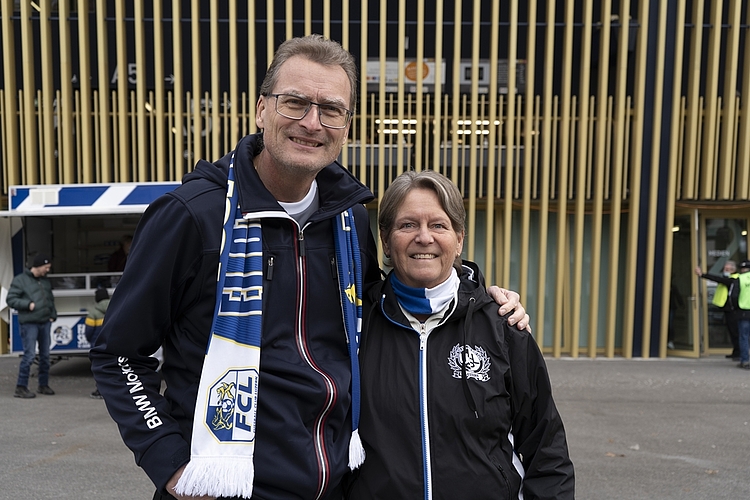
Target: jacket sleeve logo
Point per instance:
(477, 362)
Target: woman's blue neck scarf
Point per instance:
(425, 300)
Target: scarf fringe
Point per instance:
(356, 451)
(217, 477)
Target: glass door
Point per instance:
(725, 240)
(683, 333)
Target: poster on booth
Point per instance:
(67, 335)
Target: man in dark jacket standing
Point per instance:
(291, 189)
(31, 295)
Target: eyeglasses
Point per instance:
(296, 108)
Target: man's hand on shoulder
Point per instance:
(510, 301)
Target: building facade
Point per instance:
(603, 148)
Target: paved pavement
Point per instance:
(637, 429)
(656, 429)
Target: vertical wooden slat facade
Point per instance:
(29, 139)
(674, 155)
(651, 215)
(45, 105)
(85, 70)
(620, 115)
(121, 100)
(549, 116)
(743, 155)
(636, 146)
(561, 253)
(11, 127)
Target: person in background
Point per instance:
(676, 302)
(743, 315)
(94, 321)
(725, 297)
(119, 257)
(243, 274)
(30, 294)
(456, 402)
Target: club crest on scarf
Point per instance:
(231, 409)
(477, 362)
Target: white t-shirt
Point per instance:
(303, 209)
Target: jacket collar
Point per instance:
(383, 297)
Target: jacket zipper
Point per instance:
(426, 453)
(269, 271)
(321, 453)
(423, 395)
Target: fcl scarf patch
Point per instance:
(223, 441)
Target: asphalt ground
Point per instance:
(637, 429)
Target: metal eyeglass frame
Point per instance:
(310, 104)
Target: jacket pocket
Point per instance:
(505, 479)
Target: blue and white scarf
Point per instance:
(425, 300)
(350, 283)
(223, 442)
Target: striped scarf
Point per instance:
(425, 300)
(350, 284)
(223, 442)
(224, 425)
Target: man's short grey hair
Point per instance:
(318, 49)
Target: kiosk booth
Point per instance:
(79, 227)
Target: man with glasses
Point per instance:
(296, 107)
(251, 305)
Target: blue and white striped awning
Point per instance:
(85, 199)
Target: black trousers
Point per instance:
(732, 319)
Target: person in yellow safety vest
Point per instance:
(94, 322)
(725, 297)
(744, 315)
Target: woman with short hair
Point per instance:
(455, 402)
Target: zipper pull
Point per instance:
(422, 337)
(269, 271)
(301, 240)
